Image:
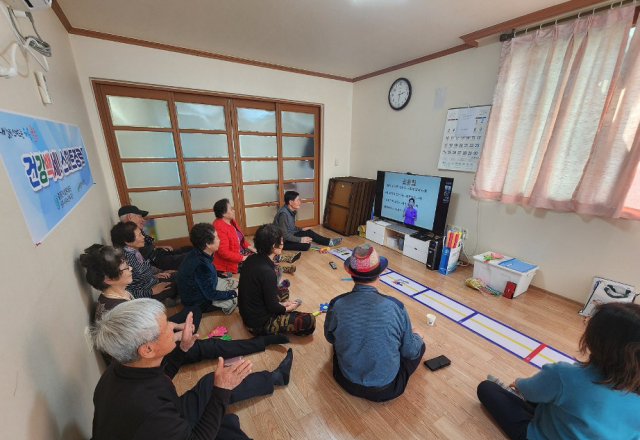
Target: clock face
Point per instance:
(399, 94)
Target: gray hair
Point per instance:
(126, 327)
(123, 218)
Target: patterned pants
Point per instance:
(298, 323)
(244, 252)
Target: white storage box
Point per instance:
(497, 277)
(392, 242)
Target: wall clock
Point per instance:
(399, 93)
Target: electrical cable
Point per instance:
(27, 43)
(36, 42)
(477, 236)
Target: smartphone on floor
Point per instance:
(437, 363)
(231, 361)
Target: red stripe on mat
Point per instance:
(535, 352)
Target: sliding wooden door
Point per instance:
(176, 153)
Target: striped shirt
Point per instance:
(142, 272)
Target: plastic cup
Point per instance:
(431, 319)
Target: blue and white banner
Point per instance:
(47, 165)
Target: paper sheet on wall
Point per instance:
(460, 151)
(466, 121)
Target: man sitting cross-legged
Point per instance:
(375, 350)
(162, 257)
(296, 238)
(135, 398)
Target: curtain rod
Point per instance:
(512, 34)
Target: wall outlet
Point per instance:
(336, 162)
(465, 232)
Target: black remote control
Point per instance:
(333, 265)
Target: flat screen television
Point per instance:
(417, 201)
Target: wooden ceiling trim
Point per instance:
(423, 59)
(470, 40)
(524, 20)
(61, 16)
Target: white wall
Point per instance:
(569, 248)
(122, 62)
(48, 374)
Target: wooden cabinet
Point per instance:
(349, 203)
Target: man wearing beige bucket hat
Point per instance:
(375, 349)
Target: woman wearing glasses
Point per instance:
(109, 272)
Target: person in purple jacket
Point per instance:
(410, 213)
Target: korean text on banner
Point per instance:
(47, 164)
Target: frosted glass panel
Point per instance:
(258, 146)
(297, 147)
(252, 171)
(208, 172)
(306, 211)
(251, 119)
(139, 112)
(166, 228)
(297, 169)
(298, 122)
(204, 198)
(200, 116)
(145, 144)
(204, 217)
(304, 188)
(264, 193)
(143, 174)
(261, 215)
(204, 145)
(158, 202)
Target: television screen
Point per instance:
(420, 202)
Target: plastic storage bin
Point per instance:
(497, 277)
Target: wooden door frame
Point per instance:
(102, 88)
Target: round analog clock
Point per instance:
(399, 93)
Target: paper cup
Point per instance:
(431, 319)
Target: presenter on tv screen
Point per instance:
(410, 213)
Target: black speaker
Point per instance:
(434, 254)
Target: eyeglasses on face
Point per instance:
(125, 269)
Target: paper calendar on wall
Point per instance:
(463, 137)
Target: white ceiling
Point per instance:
(347, 38)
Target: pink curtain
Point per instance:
(610, 185)
(553, 87)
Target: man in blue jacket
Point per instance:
(375, 349)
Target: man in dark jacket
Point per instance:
(162, 257)
(135, 398)
(296, 238)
